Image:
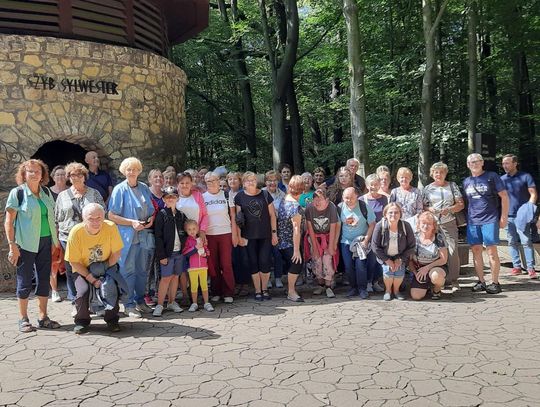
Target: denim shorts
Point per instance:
(488, 235)
(400, 272)
(175, 265)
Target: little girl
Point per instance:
(197, 254)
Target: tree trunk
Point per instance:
(296, 129)
(491, 84)
(337, 127)
(357, 107)
(472, 16)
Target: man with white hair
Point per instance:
(484, 218)
(94, 240)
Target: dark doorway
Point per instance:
(59, 152)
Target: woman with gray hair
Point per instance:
(131, 208)
(443, 199)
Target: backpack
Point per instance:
(20, 193)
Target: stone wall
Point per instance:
(116, 100)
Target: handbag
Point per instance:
(461, 217)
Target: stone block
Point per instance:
(7, 119)
(33, 60)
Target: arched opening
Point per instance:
(60, 152)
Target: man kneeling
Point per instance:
(92, 242)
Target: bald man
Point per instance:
(98, 179)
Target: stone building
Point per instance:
(90, 75)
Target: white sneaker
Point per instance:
(55, 296)
(174, 307)
(144, 308)
(369, 287)
(279, 283)
(377, 287)
(73, 311)
(330, 293)
(100, 313)
(269, 285)
(132, 312)
(215, 298)
(455, 286)
(318, 291)
(194, 307)
(158, 311)
(228, 300)
(208, 307)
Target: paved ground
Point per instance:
(465, 350)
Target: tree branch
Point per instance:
(314, 45)
(438, 19)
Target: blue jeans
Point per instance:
(374, 268)
(70, 278)
(278, 262)
(517, 237)
(135, 272)
(356, 269)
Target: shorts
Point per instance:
(399, 273)
(174, 267)
(426, 284)
(488, 234)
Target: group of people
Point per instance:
(137, 243)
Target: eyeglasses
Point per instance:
(211, 181)
(476, 161)
(76, 175)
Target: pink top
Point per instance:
(196, 260)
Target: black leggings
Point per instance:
(293, 268)
(258, 251)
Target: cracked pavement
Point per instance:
(464, 350)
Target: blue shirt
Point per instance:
(100, 181)
(482, 198)
(28, 221)
(517, 186)
(360, 225)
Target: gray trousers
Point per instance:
(450, 231)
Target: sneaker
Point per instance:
(215, 298)
(100, 313)
(55, 297)
(479, 286)
(80, 329)
(377, 287)
(258, 297)
(455, 286)
(400, 296)
(278, 283)
(295, 298)
(208, 307)
(352, 292)
(73, 311)
(319, 290)
(194, 307)
(436, 296)
(493, 288)
(228, 300)
(369, 287)
(144, 308)
(174, 307)
(387, 296)
(158, 311)
(269, 285)
(532, 274)
(149, 301)
(364, 294)
(330, 293)
(132, 312)
(516, 271)
(113, 327)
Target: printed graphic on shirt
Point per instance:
(477, 191)
(96, 254)
(254, 208)
(321, 224)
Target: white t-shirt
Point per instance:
(219, 221)
(393, 249)
(177, 245)
(189, 207)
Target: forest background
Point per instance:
(394, 82)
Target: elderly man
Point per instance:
(91, 242)
(484, 218)
(98, 179)
(360, 183)
(521, 191)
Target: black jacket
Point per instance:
(381, 238)
(164, 231)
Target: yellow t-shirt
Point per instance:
(84, 248)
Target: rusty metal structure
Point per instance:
(152, 25)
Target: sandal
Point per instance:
(258, 297)
(25, 326)
(266, 295)
(436, 295)
(47, 323)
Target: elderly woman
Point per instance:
(290, 217)
(58, 175)
(385, 177)
(169, 178)
(319, 174)
(31, 231)
(68, 211)
(221, 239)
(393, 243)
(191, 204)
(429, 263)
(407, 196)
(443, 199)
(307, 194)
(344, 179)
(259, 229)
(131, 208)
